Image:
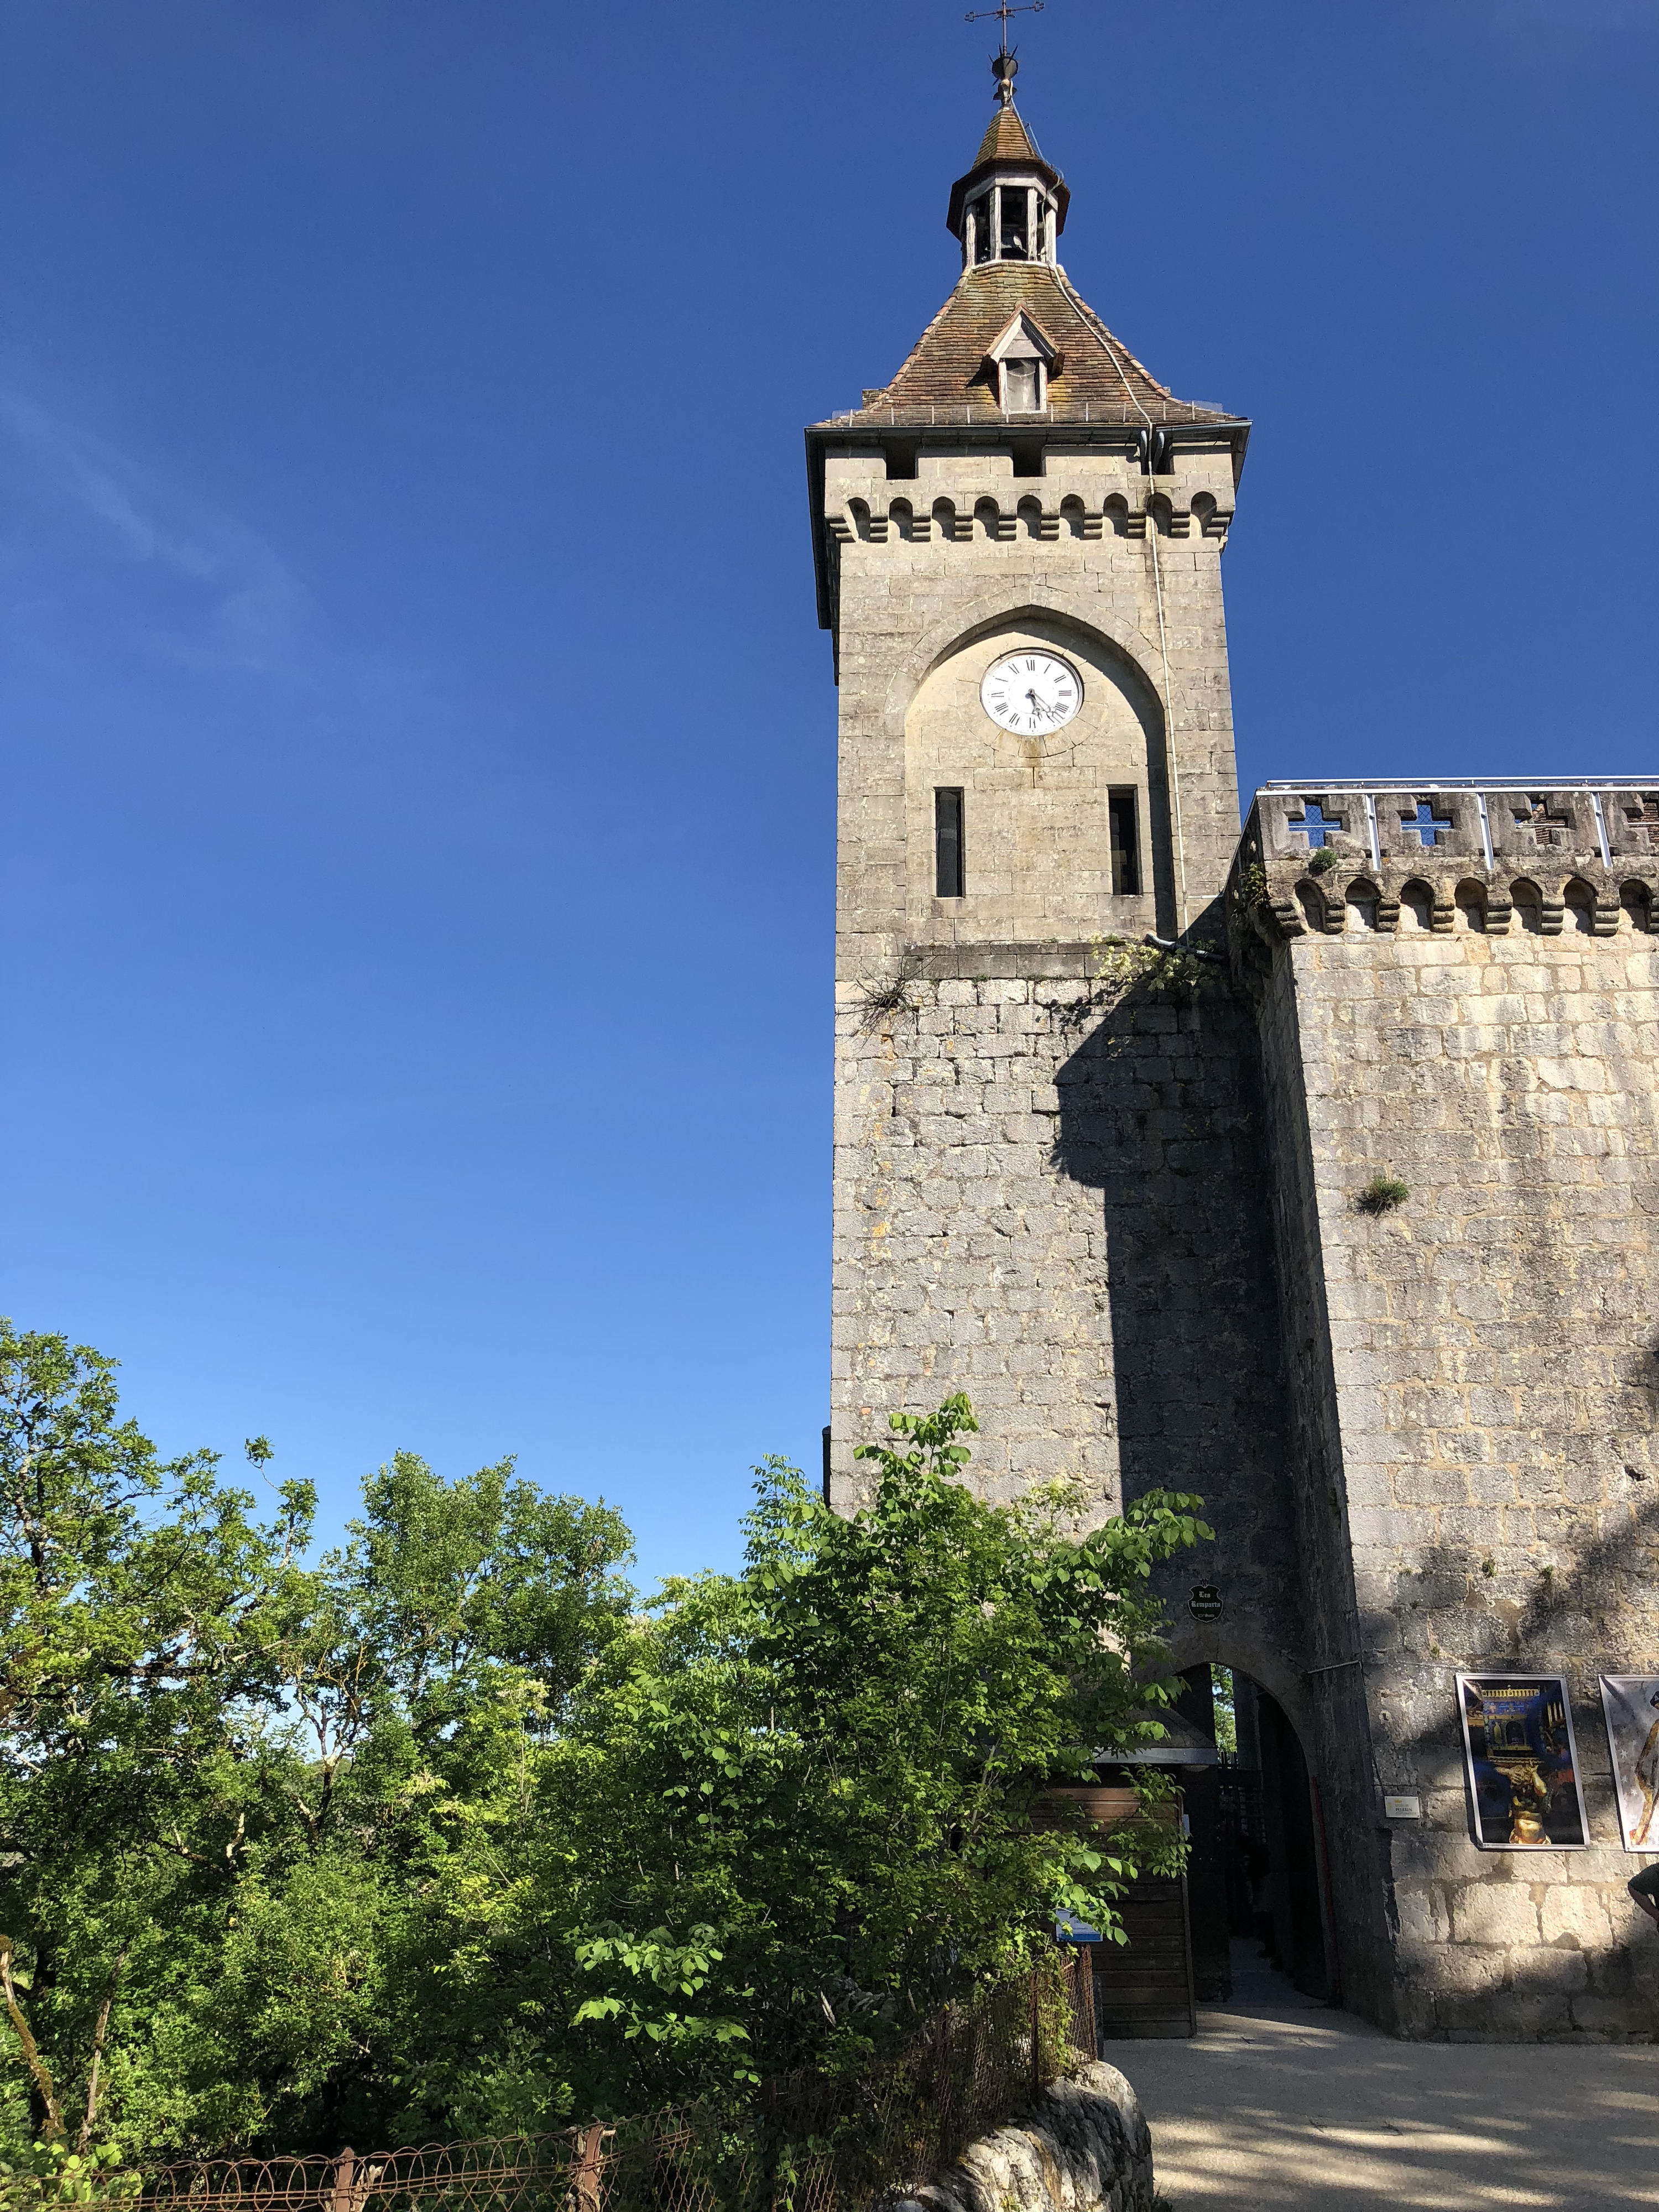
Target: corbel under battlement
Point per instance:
(954, 497)
(1496, 856)
(1010, 511)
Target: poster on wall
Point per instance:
(1523, 1762)
(1631, 1703)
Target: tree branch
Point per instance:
(83, 2135)
(32, 2058)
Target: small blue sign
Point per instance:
(1068, 1929)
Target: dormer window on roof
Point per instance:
(1020, 363)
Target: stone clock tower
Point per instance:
(1019, 558)
(1316, 1171)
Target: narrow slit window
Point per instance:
(947, 843)
(1121, 814)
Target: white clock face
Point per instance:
(1031, 692)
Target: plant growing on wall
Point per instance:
(1125, 968)
(1382, 1195)
(881, 1003)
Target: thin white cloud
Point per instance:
(226, 599)
(109, 500)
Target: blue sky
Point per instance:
(418, 741)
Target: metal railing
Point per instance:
(1495, 817)
(1540, 783)
(807, 2143)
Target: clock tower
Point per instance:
(1315, 1170)
(1018, 541)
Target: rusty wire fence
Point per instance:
(807, 2143)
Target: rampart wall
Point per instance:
(1474, 1374)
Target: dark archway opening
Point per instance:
(1254, 1876)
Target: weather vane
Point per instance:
(1005, 65)
(1031, 7)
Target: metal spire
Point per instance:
(1004, 67)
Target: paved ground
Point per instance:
(1279, 2102)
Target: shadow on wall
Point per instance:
(1157, 1111)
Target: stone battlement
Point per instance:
(971, 504)
(1493, 857)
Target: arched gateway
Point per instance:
(1343, 1214)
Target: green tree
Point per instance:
(798, 1804)
(135, 1595)
(440, 1833)
(228, 1778)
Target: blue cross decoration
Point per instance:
(1315, 823)
(1425, 823)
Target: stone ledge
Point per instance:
(1084, 2147)
(941, 963)
(1034, 961)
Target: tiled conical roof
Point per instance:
(1006, 140)
(1097, 379)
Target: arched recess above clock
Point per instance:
(1062, 829)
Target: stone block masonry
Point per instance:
(1476, 1403)
(918, 617)
(1111, 1194)
(1051, 1193)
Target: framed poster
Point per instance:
(1522, 1763)
(1631, 1703)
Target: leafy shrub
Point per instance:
(39, 2174)
(444, 1834)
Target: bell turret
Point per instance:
(1010, 206)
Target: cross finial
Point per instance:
(1003, 65)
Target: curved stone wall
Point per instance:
(1084, 2147)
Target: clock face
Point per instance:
(1031, 692)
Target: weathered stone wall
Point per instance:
(1052, 1194)
(967, 1254)
(1063, 1193)
(1093, 557)
(1474, 1388)
(1037, 820)
(1084, 2147)
(1328, 1703)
